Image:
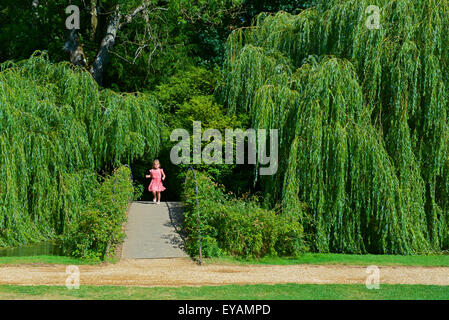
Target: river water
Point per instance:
(38, 249)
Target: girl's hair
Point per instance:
(154, 163)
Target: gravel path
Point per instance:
(184, 272)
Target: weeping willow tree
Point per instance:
(362, 119)
(57, 131)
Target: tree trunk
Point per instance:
(102, 59)
(107, 43)
(73, 47)
(94, 18)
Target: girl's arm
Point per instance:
(148, 175)
(163, 174)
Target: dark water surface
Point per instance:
(38, 249)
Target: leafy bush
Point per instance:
(236, 227)
(186, 97)
(101, 221)
(184, 85)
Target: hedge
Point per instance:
(237, 227)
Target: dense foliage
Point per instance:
(361, 113)
(171, 35)
(100, 224)
(57, 131)
(362, 116)
(186, 97)
(238, 227)
(153, 46)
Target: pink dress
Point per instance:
(156, 181)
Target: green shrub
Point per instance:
(184, 85)
(101, 221)
(234, 226)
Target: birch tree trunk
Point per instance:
(107, 44)
(114, 25)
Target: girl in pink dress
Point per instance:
(157, 175)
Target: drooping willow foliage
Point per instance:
(57, 131)
(362, 118)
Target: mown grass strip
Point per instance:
(243, 292)
(308, 258)
(343, 259)
(44, 260)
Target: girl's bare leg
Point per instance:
(159, 196)
(154, 195)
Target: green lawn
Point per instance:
(308, 258)
(43, 260)
(344, 259)
(246, 292)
